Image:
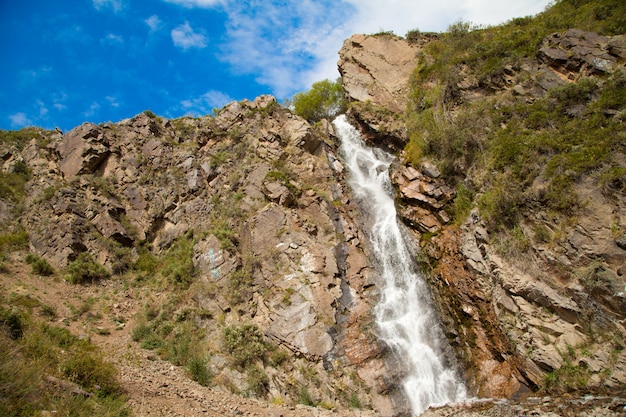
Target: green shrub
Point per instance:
(258, 381)
(178, 261)
(85, 269)
(412, 36)
(304, 397)
(122, 257)
(141, 332)
(463, 202)
(59, 336)
(542, 233)
(240, 281)
(39, 265)
(500, 204)
(567, 378)
(89, 370)
(354, 401)
(199, 369)
(218, 158)
(150, 114)
(324, 100)
(13, 323)
(245, 343)
(14, 240)
(146, 261)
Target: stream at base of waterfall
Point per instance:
(405, 317)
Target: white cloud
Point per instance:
(205, 103)
(282, 43)
(93, 109)
(115, 5)
(19, 120)
(195, 3)
(113, 39)
(184, 36)
(154, 23)
(58, 100)
(43, 109)
(113, 101)
(400, 16)
(493, 12)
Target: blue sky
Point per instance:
(70, 61)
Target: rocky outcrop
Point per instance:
(424, 195)
(576, 52)
(377, 69)
(82, 151)
(251, 210)
(375, 72)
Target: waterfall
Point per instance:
(405, 317)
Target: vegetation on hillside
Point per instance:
(44, 367)
(511, 154)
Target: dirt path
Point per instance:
(105, 313)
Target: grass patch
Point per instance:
(567, 378)
(178, 261)
(198, 368)
(43, 367)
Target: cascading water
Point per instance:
(405, 317)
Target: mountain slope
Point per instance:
(513, 181)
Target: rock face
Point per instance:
(251, 205)
(375, 73)
(377, 69)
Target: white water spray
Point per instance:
(404, 315)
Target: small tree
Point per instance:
(324, 100)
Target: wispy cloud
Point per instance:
(43, 109)
(185, 37)
(115, 5)
(93, 109)
(205, 103)
(19, 120)
(58, 100)
(196, 3)
(112, 39)
(73, 34)
(289, 46)
(281, 43)
(490, 12)
(154, 23)
(113, 101)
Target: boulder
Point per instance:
(211, 261)
(82, 150)
(377, 69)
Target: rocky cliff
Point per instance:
(243, 218)
(240, 231)
(545, 319)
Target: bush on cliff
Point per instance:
(324, 100)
